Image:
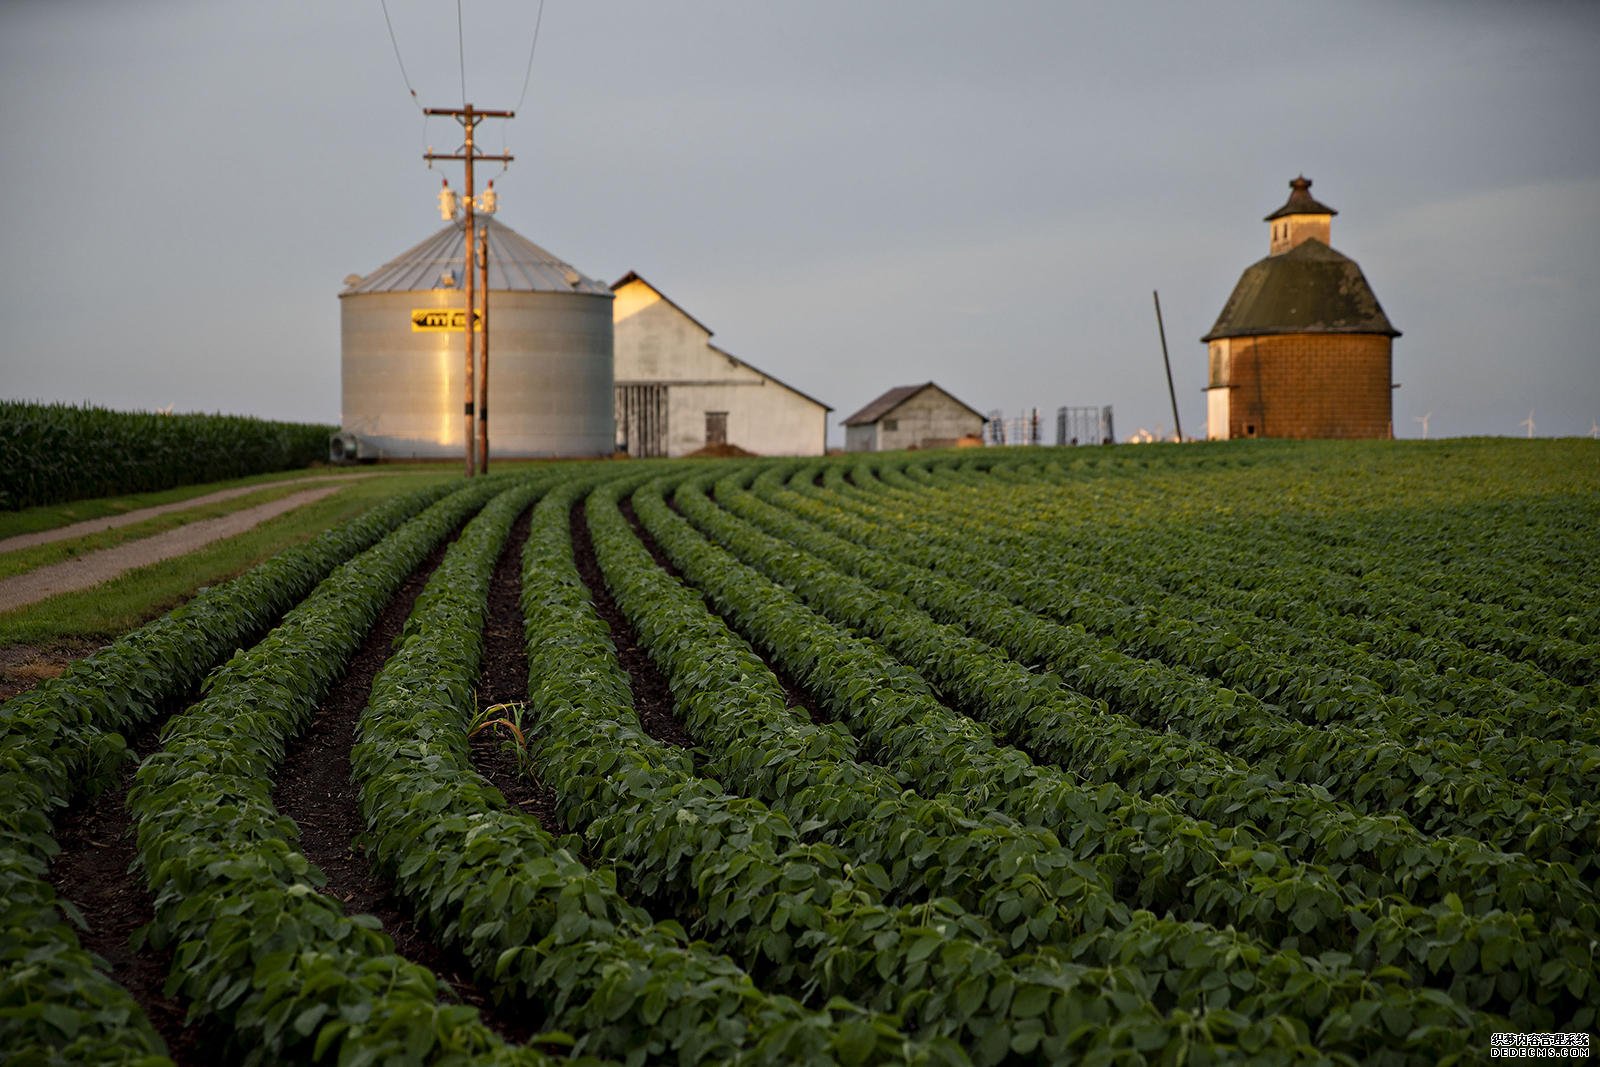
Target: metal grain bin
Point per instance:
(550, 369)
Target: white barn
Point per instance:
(677, 393)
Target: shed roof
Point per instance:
(516, 264)
(897, 396)
(1308, 289)
(1300, 201)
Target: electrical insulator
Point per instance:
(447, 200)
(489, 199)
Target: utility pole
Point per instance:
(1171, 392)
(468, 117)
(483, 374)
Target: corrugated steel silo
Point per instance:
(550, 359)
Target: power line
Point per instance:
(461, 53)
(529, 72)
(403, 75)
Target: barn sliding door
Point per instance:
(642, 420)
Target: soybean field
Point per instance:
(1248, 751)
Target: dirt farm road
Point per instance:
(102, 566)
(128, 518)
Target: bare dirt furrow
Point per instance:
(652, 697)
(796, 694)
(504, 680)
(315, 789)
(94, 871)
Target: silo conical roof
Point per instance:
(516, 264)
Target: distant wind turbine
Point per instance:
(1594, 429)
(1528, 422)
(1424, 420)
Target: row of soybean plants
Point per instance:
(906, 905)
(276, 965)
(1239, 573)
(1399, 570)
(534, 921)
(52, 453)
(65, 739)
(1093, 726)
(1039, 891)
(1440, 785)
(1537, 732)
(1134, 840)
(1166, 858)
(1540, 734)
(1536, 504)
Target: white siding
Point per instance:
(657, 342)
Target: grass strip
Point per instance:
(129, 600)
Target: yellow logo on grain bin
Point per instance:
(441, 320)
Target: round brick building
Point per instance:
(1302, 347)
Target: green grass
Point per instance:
(22, 560)
(53, 516)
(139, 595)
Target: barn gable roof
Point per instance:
(892, 399)
(634, 276)
(1308, 289)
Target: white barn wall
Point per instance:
(763, 418)
(654, 341)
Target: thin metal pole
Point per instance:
(468, 124)
(1171, 392)
(483, 370)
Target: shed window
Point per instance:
(716, 427)
(891, 425)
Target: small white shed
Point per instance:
(677, 393)
(912, 416)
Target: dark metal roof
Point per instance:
(516, 264)
(894, 398)
(1300, 201)
(1308, 289)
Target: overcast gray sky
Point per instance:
(853, 195)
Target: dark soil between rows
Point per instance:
(652, 697)
(504, 680)
(797, 696)
(315, 789)
(95, 871)
(24, 666)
